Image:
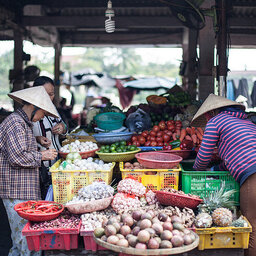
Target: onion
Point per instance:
(188, 239)
(158, 239)
(151, 231)
(177, 225)
(146, 223)
(167, 226)
(166, 235)
(125, 230)
(117, 226)
(141, 246)
(136, 231)
(177, 241)
(143, 236)
(132, 240)
(120, 236)
(158, 228)
(104, 238)
(186, 231)
(165, 244)
(155, 220)
(162, 216)
(110, 230)
(153, 244)
(146, 216)
(125, 215)
(136, 215)
(176, 232)
(112, 239)
(128, 221)
(122, 243)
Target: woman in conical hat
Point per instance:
(20, 160)
(228, 129)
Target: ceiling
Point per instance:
(138, 22)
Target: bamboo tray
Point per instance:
(133, 251)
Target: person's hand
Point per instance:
(58, 128)
(49, 154)
(45, 142)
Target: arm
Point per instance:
(18, 154)
(210, 139)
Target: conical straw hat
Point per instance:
(212, 102)
(36, 96)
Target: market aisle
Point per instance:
(5, 232)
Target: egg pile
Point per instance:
(78, 146)
(85, 164)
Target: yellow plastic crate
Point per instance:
(228, 237)
(66, 184)
(164, 178)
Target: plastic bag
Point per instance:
(138, 121)
(49, 195)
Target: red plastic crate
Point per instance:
(51, 239)
(89, 243)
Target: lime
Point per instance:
(102, 148)
(119, 150)
(132, 148)
(123, 142)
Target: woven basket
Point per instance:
(173, 199)
(117, 157)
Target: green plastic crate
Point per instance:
(202, 183)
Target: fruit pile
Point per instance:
(145, 230)
(161, 134)
(169, 135)
(118, 147)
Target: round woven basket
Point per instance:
(117, 157)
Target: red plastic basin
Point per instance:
(157, 160)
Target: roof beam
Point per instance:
(239, 40)
(99, 21)
(242, 22)
(80, 38)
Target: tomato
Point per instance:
(129, 143)
(153, 144)
(134, 138)
(152, 134)
(166, 137)
(136, 143)
(147, 143)
(165, 131)
(156, 129)
(169, 123)
(178, 122)
(159, 134)
(162, 125)
(169, 133)
(152, 138)
(171, 128)
(141, 140)
(159, 139)
(148, 137)
(144, 134)
(160, 144)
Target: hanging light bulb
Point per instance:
(109, 23)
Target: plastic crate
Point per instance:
(202, 183)
(164, 178)
(51, 239)
(66, 184)
(89, 243)
(228, 237)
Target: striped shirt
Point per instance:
(235, 137)
(19, 158)
(44, 128)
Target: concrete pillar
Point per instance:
(206, 55)
(189, 46)
(18, 82)
(57, 48)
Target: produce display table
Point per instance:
(81, 252)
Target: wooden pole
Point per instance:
(18, 82)
(57, 48)
(206, 55)
(222, 49)
(189, 46)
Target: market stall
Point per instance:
(127, 185)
